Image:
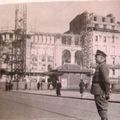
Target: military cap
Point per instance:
(99, 52)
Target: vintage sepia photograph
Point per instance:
(60, 60)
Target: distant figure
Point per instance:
(48, 85)
(58, 88)
(6, 86)
(10, 86)
(41, 85)
(38, 85)
(25, 86)
(82, 87)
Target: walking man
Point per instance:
(101, 85)
(38, 85)
(58, 88)
(82, 87)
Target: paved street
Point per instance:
(22, 107)
(19, 105)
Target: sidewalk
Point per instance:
(70, 94)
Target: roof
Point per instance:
(72, 68)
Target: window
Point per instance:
(96, 25)
(113, 27)
(50, 59)
(105, 48)
(11, 36)
(103, 19)
(113, 60)
(113, 39)
(40, 38)
(43, 59)
(49, 67)
(95, 18)
(52, 40)
(68, 40)
(105, 39)
(48, 39)
(104, 26)
(113, 71)
(63, 40)
(44, 39)
(111, 20)
(77, 40)
(96, 38)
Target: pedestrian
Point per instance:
(58, 88)
(101, 85)
(82, 87)
(10, 85)
(41, 85)
(6, 86)
(38, 85)
(48, 83)
(25, 85)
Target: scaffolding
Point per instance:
(18, 62)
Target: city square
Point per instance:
(43, 44)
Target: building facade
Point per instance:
(77, 47)
(46, 51)
(104, 34)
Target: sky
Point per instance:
(55, 16)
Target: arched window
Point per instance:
(79, 58)
(66, 56)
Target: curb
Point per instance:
(62, 96)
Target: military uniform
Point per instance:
(101, 87)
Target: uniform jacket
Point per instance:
(101, 82)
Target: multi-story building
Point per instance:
(73, 50)
(45, 51)
(6, 37)
(101, 32)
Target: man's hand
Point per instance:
(107, 97)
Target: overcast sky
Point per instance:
(54, 17)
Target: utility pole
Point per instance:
(19, 44)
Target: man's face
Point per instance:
(99, 59)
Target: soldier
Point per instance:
(101, 85)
